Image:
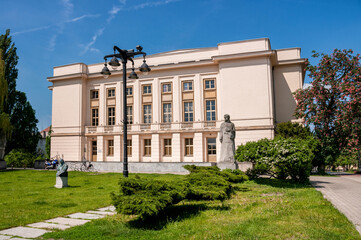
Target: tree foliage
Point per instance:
(332, 105)
(15, 104)
(289, 129)
(48, 142)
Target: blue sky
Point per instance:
(59, 32)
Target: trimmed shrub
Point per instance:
(19, 158)
(145, 197)
(280, 158)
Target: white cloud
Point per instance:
(82, 17)
(152, 4)
(87, 47)
(32, 30)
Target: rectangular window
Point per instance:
(188, 86)
(188, 146)
(188, 111)
(167, 147)
(147, 147)
(147, 89)
(209, 84)
(129, 91)
(110, 147)
(111, 93)
(94, 94)
(167, 88)
(147, 113)
(129, 114)
(111, 116)
(167, 112)
(95, 116)
(129, 147)
(211, 110)
(211, 146)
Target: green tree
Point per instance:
(48, 143)
(18, 109)
(5, 125)
(25, 133)
(289, 129)
(332, 105)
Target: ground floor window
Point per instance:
(111, 147)
(167, 147)
(147, 147)
(211, 146)
(129, 147)
(188, 146)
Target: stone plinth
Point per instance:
(244, 166)
(61, 182)
(227, 165)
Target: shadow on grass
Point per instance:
(173, 214)
(280, 183)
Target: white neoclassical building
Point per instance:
(175, 112)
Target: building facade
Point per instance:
(174, 112)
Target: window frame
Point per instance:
(147, 147)
(92, 92)
(143, 88)
(110, 119)
(170, 113)
(131, 90)
(167, 147)
(188, 90)
(109, 90)
(94, 118)
(205, 84)
(110, 151)
(215, 109)
(170, 88)
(213, 149)
(129, 147)
(184, 111)
(188, 147)
(144, 114)
(129, 116)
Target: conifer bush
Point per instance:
(147, 197)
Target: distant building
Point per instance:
(40, 148)
(175, 112)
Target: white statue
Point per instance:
(227, 134)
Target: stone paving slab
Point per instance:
(16, 238)
(67, 221)
(3, 237)
(344, 192)
(24, 232)
(49, 225)
(85, 216)
(101, 212)
(110, 208)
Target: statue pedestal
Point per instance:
(227, 165)
(61, 182)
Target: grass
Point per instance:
(29, 196)
(261, 209)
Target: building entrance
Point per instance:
(94, 151)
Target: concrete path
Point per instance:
(35, 230)
(344, 192)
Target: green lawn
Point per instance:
(262, 209)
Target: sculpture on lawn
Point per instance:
(227, 135)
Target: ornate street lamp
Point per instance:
(124, 56)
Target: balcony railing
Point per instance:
(91, 129)
(187, 125)
(108, 129)
(209, 124)
(165, 126)
(144, 126)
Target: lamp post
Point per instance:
(124, 56)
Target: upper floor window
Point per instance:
(187, 86)
(94, 94)
(111, 116)
(129, 91)
(167, 88)
(188, 111)
(167, 112)
(209, 84)
(147, 113)
(130, 114)
(111, 92)
(211, 110)
(147, 89)
(95, 117)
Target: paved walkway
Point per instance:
(344, 192)
(35, 230)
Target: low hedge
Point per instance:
(147, 197)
